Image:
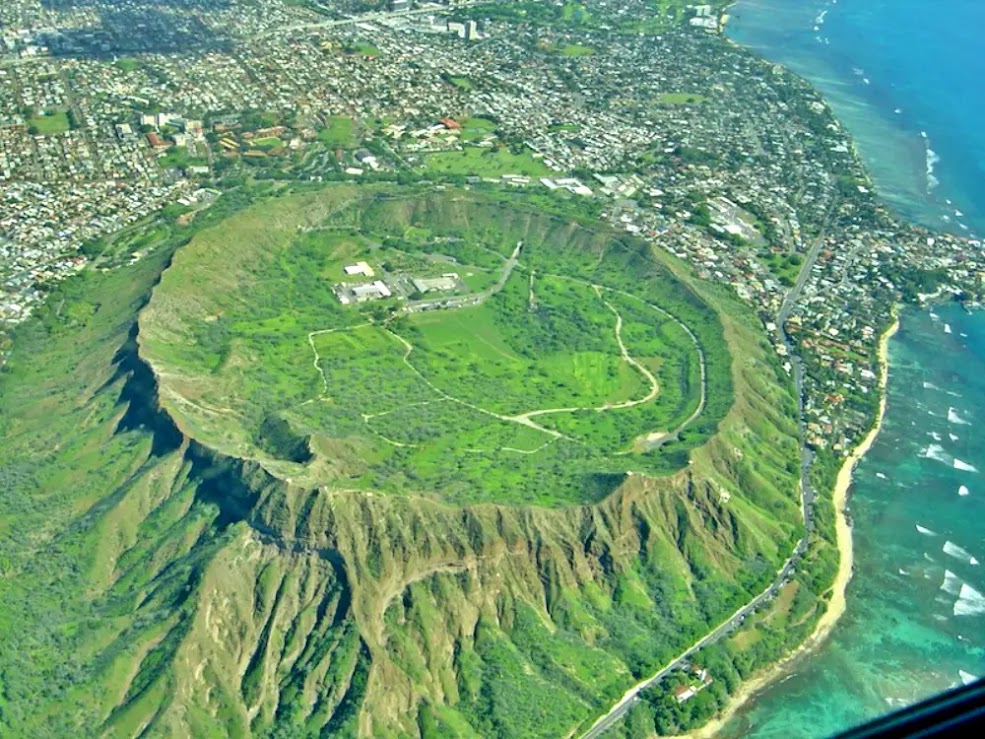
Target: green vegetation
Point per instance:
(48, 123)
(362, 48)
(452, 370)
(766, 636)
(666, 14)
(462, 83)
(785, 266)
(268, 143)
(575, 13)
(477, 128)
(194, 553)
(313, 5)
(128, 64)
(179, 156)
(485, 162)
(524, 397)
(913, 282)
(576, 50)
(530, 12)
(681, 98)
(340, 133)
(257, 119)
(571, 127)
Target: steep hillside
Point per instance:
(162, 578)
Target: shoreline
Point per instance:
(846, 560)
(929, 208)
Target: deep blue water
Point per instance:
(872, 58)
(915, 623)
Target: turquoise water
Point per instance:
(916, 605)
(906, 78)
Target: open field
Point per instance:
(268, 142)
(681, 98)
(127, 64)
(179, 156)
(512, 359)
(576, 50)
(491, 162)
(47, 124)
(340, 133)
(477, 128)
(363, 48)
(463, 83)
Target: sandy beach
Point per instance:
(836, 604)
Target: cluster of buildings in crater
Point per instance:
(398, 285)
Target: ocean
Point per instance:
(915, 623)
(905, 77)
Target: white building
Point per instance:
(359, 268)
(370, 291)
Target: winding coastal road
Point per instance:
(630, 697)
(807, 495)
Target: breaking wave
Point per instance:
(932, 160)
(970, 602)
(936, 451)
(964, 466)
(952, 583)
(954, 417)
(959, 552)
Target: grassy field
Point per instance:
(511, 359)
(681, 98)
(49, 123)
(340, 133)
(786, 267)
(576, 50)
(668, 14)
(477, 128)
(128, 64)
(268, 143)
(491, 162)
(363, 48)
(179, 156)
(575, 13)
(463, 83)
